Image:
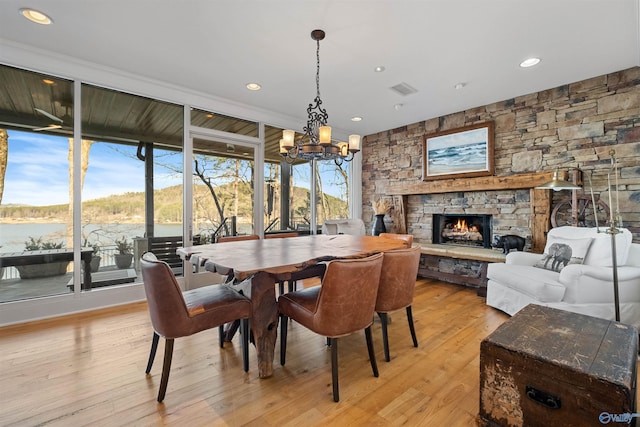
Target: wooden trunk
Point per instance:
(549, 367)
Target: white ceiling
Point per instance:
(216, 47)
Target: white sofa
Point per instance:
(584, 285)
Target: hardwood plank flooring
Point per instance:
(88, 369)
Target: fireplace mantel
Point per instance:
(485, 183)
(540, 199)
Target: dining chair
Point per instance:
(281, 235)
(237, 238)
(343, 304)
(395, 291)
(175, 314)
(408, 238)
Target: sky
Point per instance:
(38, 171)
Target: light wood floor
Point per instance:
(88, 369)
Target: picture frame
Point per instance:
(459, 153)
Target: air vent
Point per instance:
(403, 89)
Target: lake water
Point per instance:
(14, 236)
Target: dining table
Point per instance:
(257, 265)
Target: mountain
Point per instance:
(130, 207)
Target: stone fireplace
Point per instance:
(462, 229)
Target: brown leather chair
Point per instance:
(238, 238)
(281, 235)
(406, 237)
(342, 305)
(397, 283)
(176, 314)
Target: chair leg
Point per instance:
(411, 328)
(334, 368)
(384, 321)
(283, 339)
(152, 353)
(166, 367)
(372, 354)
(221, 335)
(281, 287)
(244, 323)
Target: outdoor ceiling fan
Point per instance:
(58, 122)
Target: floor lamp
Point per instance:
(613, 230)
(559, 182)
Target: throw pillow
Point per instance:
(561, 252)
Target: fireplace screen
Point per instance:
(458, 229)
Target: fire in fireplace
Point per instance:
(462, 229)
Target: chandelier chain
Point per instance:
(315, 142)
(318, 68)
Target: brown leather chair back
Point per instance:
(398, 279)
(281, 235)
(167, 308)
(347, 296)
(406, 237)
(238, 238)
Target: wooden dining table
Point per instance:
(256, 265)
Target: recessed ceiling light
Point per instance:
(379, 69)
(397, 107)
(530, 62)
(459, 85)
(253, 86)
(356, 119)
(36, 16)
(48, 82)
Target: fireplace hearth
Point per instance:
(462, 229)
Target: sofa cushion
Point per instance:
(600, 251)
(560, 252)
(537, 283)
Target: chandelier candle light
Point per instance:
(315, 143)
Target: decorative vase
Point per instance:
(378, 225)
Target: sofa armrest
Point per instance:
(593, 284)
(604, 274)
(522, 258)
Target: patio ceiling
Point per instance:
(113, 116)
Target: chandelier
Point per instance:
(315, 143)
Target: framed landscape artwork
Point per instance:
(463, 152)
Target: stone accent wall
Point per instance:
(574, 125)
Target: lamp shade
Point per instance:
(287, 139)
(324, 135)
(558, 182)
(354, 143)
(344, 149)
(283, 149)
